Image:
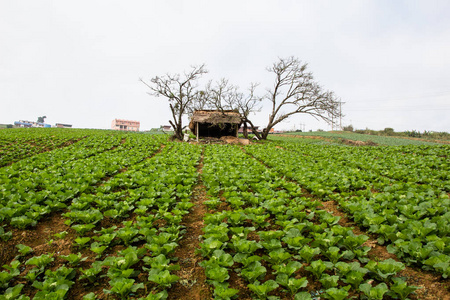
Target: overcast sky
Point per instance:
(79, 62)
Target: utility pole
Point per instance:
(332, 122)
(340, 113)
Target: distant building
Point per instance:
(249, 129)
(125, 125)
(23, 123)
(60, 125)
(166, 128)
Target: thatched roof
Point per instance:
(216, 117)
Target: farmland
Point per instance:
(91, 214)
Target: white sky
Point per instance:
(79, 62)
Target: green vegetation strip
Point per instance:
(146, 204)
(399, 193)
(279, 242)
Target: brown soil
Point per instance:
(313, 137)
(432, 285)
(423, 139)
(192, 283)
(358, 143)
(232, 140)
(38, 238)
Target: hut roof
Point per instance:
(216, 116)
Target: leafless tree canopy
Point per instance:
(295, 92)
(222, 95)
(180, 90)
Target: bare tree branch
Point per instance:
(296, 91)
(180, 91)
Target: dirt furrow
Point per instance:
(432, 286)
(192, 283)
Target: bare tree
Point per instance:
(247, 104)
(180, 90)
(225, 96)
(296, 92)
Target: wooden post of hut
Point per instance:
(197, 131)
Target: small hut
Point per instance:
(215, 123)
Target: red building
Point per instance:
(125, 125)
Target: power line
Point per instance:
(399, 109)
(434, 95)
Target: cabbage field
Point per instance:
(96, 214)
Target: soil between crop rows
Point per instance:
(192, 283)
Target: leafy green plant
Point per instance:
(212, 203)
(354, 277)
(157, 296)
(317, 267)
(164, 279)
(160, 262)
(246, 259)
(23, 222)
(333, 254)
(374, 293)
(5, 277)
(81, 229)
(56, 283)
(241, 232)
(245, 246)
(262, 290)
(271, 245)
(91, 273)
(5, 235)
(123, 286)
(61, 235)
(287, 268)
(277, 256)
(216, 273)
(401, 289)
(291, 283)
(385, 269)
(23, 249)
(336, 293)
(209, 245)
(128, 234)
(90, 296)
(40, 261)
(294, 239)
(13, 293)
(105, 238)
(33, 274)
(253, 271)
(302, 296)
(97, 248)
(352, 241)
(81, 242)
(222, 258)
(328, 281)
(73, 259)
(223, 292)
(307, 253)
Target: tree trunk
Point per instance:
(245, 130)
(177, 132)
(254, 131)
